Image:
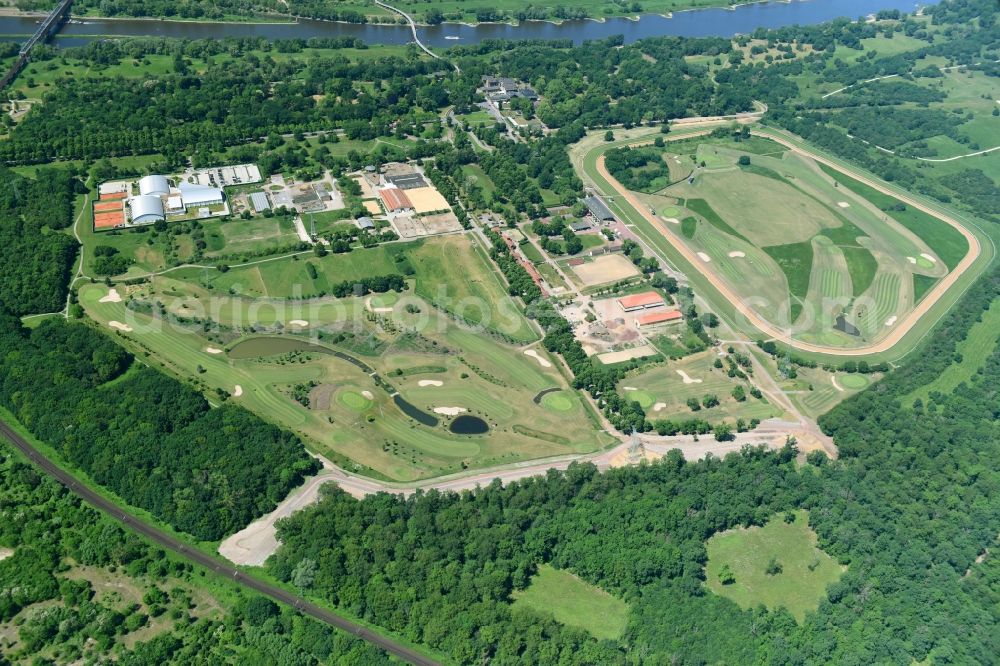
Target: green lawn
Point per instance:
(456, 276)
(806, 570)
(978, 345)
(948, 243)
(663, 393)
(288, 277)
(575, 603)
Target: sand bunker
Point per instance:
(450, 411)
(672, 220)
(736, 254)
(928, 257)
(630, 388)
(299, 322)
(430, 382)
(843, 204)
(238, 391)
(213, 350)
(120, 326)
(912, 260)
(833, 380)
(112, 297)
(687, 378)
(704, 257)
(368, 304)
(659, 406)
(368, 394)
(542, 361)
(890, 321)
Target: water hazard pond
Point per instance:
(469, 425)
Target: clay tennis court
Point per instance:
(108, 220)
(105, 206)
(605, 268)
(113, 196)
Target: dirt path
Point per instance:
(252, 545)
(903, 326)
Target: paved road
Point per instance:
(238, 577)
(774, 332)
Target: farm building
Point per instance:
(365, 223)
(146, 209)
(655, 318)
(580, 226)
(154, 185)
(259, 201)
(395, 199)
(643, 301)
(407, 181)
(598, 209)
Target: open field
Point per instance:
(454, 274)
(745, 316)
(663, 391)
(288, 277)
(574, 602)
(604, 269)
(806, 571)
(341, 410)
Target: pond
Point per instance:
(269, 346)
(415, 413)
(273, 346)
(469, 425)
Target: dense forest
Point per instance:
(36, 259)
(54, 595)
(238, 99)
(152, 440)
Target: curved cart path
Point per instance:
(902, 327)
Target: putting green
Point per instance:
(557, 402)
(670, 211)
(644, 398)
(853, 381)
(354, 400)
(386, 300)
(925, 263)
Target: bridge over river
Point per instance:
(48, 27)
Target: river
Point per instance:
(701, 23)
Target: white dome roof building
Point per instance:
(146, 209)
(154, 186)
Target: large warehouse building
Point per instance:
(199, 195)
(156, 186)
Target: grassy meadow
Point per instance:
(806, 571)
(575, 603)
